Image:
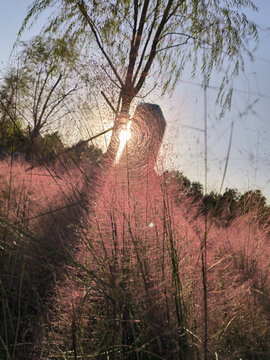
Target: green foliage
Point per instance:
(13, 83)
(132, 36)
(19, 104)
(47, 63)
(192, 190)
(223, 207)
(33, 94)
(251, 200)
(51, 55)
(83, 152)
(11, 136)
(47, 147)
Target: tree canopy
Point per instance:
(47, 64)
(34, 92)
(136, 39)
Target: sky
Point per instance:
(183, 146)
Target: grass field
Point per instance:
(113, 267)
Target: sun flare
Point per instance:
(124, 136)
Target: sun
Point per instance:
(124, 136)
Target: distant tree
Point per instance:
(253, 200)
(11, 83)
(12, 135)
(48, 147)
(223, 207)
(138, 38)
(227, 207)
(176, 177)
(209, 204)
(182, 186)
(182, 180)
(46, 62)
(197, 190)
(81, 151)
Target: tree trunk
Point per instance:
(31, 147)
(127, 95)
(122, 118)
(126, 102)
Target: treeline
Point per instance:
(15, 141)
(225, 207)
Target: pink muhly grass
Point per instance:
(127, 280)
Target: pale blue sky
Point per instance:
(249, 164)
(12, 13)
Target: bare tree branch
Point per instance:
(82, 9)
(48, 99)
(146, 43)
(109, 76)
(176, 33)
(57, 104)
(108, 102)
(36, 91)
(35, 114)
(154, 47)
(135, 6)
(175, 45)
(134, 48)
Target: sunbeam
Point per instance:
(124, 136)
